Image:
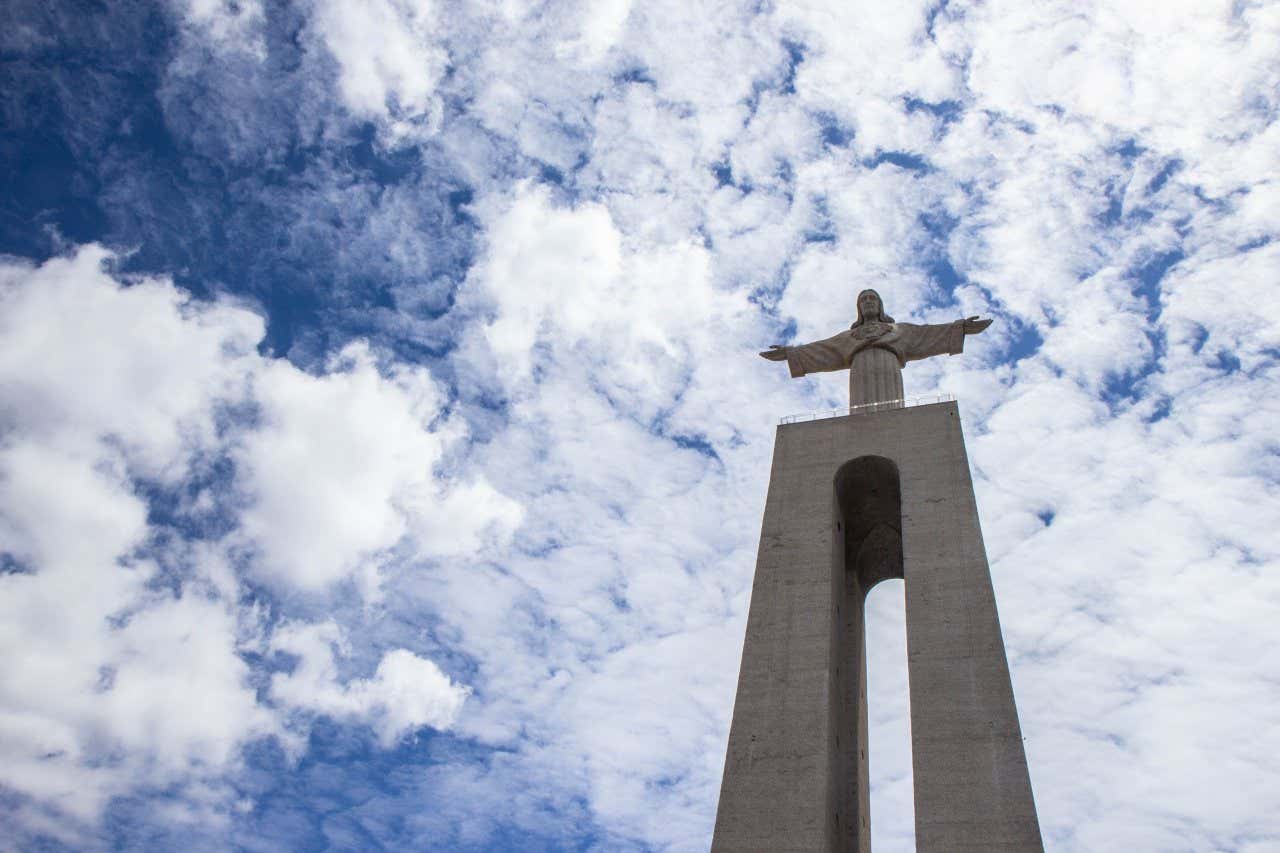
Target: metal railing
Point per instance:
(869, 408)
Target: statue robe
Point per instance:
(874, 354)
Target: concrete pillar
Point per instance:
(837, 520)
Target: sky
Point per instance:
(383, 445)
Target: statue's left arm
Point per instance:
(924, 341)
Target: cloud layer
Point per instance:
(143, 437)
(394, 477)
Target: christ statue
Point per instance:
(875, 349)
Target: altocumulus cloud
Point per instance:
(394, 479)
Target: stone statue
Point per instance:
(875, 349)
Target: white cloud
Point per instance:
(345, 464)
(1176, 80)
(66, 379)
(862, 60)
(600, 23)
(124, 652)
(405, 693)
(234, 25)
(390, 60)
(97, 663)
(558, 285)
(1232, 299)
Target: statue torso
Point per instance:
(873, 335)
(871, 331)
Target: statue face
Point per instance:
(869, 304)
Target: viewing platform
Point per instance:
(869, 408)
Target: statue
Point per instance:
(875, 349)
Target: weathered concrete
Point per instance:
(852, 501)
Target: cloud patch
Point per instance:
(405, 693)
(128, 631)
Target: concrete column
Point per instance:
(972, 788)
(796, 769)
(777, 793)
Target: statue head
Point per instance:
(871, 307)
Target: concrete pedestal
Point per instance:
(852, 501)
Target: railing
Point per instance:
(869, 408)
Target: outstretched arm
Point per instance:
(917, 342)
(829, 354)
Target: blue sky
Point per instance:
(383, 445)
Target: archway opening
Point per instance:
(867, 550)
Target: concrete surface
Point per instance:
(852, 501)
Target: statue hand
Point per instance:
(776, 352)
(973, 326)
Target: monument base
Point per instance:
(853, 500)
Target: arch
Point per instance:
(869, 498)
(866, 549)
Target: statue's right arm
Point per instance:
(833, 353)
